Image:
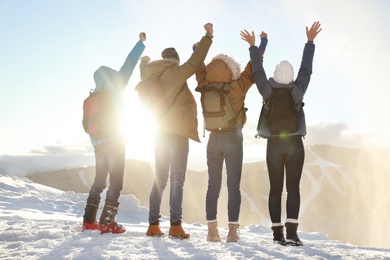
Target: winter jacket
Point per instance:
(181, 117)
(114, 82)
(298, 87)
(223, 69)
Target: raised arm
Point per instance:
(305, 70)
(251, 39)
(259, 75)
(131, 61)
(187, 69)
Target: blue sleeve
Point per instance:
(305, 71)
(259, 76)
(263, 44)
(131, 61)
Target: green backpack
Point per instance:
(217, 107)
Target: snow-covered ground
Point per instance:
(39, 222)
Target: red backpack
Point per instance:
(100, 118)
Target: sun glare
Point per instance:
(138, 128)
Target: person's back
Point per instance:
(225, 144)
(175, 128)
(109, 147)
(285, 152)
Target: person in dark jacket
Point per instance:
(110, 146)
(285, 151)
(175, 128)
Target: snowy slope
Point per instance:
(38, 222)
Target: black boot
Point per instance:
(91, 210)
(292, 236)
(278, 235)
(107, 219)
(89, 222)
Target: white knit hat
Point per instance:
(284, 72)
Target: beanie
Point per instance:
(284, 72)
(170, 53)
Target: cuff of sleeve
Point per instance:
(209, 35)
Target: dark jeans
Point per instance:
(283, 154)
(224, 146)
(110, 160)
(171, 153)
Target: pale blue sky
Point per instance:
(50, 49)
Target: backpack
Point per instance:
(99, 116)
(280, 113)
(217, 107)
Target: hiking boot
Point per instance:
(176, 231)
(232, 235)
(213, 235)
(89, 226)
(113, 227)
(154, 230)
(107, 219)
(278, 235)
(90, 211)
(292, 236)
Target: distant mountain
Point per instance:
(344, 192)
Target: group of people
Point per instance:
(284, 157)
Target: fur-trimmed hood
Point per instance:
(157, 67)
(222, 68)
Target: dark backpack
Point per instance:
(280, 112)
(100, 118)
(217, 107)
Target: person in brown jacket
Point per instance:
(175, 127)
(225, 144)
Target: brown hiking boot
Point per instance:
(176, 231)
(213, 235)
(154, 230)
(232, 235)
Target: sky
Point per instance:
(39, 222)
(50, 50)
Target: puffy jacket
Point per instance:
(181, 117)
(223, 69)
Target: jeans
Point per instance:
(110, 160)
(224, 146)
(171, 154)
(283, 154)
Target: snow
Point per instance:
(39, 222)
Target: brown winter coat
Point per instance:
(181, 118)
(223, 69)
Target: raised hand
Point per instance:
(145, 59)
(314, 30)
(263, 34)
(142, 37)
(209, 28)
(249, 38)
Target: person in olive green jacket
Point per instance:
(175, 127)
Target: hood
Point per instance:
(222, 68)
(157, 67)
(102, 75)
(284, 72)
